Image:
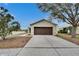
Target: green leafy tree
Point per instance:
(5, 22)
(5, 18)
(67, 12)
(15, 26)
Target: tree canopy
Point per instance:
(67, 12)
(5, 22)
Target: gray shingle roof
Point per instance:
(43, 20)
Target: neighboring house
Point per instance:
(70, 28)
(43, 27)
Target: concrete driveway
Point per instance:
(40, 45)
(44, 45)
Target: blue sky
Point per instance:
(26, 13)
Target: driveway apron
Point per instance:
(47, 45)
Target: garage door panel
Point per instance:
(43, 31)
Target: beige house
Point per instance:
(43, 27)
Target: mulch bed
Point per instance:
(68, 38)
(16, 42)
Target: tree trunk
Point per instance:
(73, 32)
(3, 38)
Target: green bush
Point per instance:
(65, 30)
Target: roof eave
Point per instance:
(42, 20)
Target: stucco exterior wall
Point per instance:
(44, 24)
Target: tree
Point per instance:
(5, 22)
(5, 18)
(67, 12)
(15, 26)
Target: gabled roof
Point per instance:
(43, 20)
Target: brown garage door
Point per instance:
(43, 31)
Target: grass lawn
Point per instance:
(16, 42)
(69, 38)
